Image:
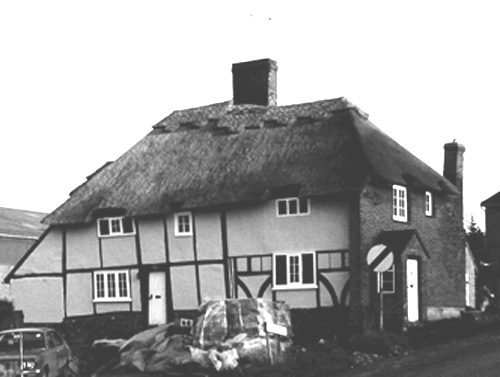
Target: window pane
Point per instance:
(307, 268)
(100, 285)
(294, 269)
(104, 227)
(280, 269)
(122, 285)
(111, 285)
(183, 224)
(292, 207)
(128, 227)
(116, 226)
(281, 207)
(304, 205)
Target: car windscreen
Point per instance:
(31, 340)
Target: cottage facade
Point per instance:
(249, 199)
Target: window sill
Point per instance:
(111, 300)
(183, 235)
(296, 287)
(404, 221)
(116, 235)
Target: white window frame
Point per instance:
(113, 232)
(180, 232)
(429, 203)
(399, 203)
(298, 272)
(106, 294)
(287, 202)
(391, 274)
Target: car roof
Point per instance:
(25, 329)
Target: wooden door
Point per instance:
(412, 289)
(157, 298)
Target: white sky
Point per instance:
(83, 81)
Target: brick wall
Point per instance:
(442, 275)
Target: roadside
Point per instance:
(443, 359)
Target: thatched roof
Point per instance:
(16, 223)
(221, 155)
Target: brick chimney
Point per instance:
(255, 83)
(454, 164)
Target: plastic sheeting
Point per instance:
(227, 332)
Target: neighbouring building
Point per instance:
(246, 198)
(19, 229)
(491, 207)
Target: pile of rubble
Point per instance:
(227, 333)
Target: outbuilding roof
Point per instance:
(492, 201)
(222, 154)
(16, 223)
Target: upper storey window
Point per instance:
(399, 203)
(429, 209)
(292, 207)
(183, 224)
(115, 226)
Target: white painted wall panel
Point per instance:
(40, 299)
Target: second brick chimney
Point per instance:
(255, 83)
(454, 164)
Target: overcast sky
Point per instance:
(82, 82)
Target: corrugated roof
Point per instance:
(223, 154)
(18, 223)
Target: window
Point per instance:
(399, 203)
(115, 226)
(386, 281)
(111, 286)
(428, 204)
(183, 224)
(292, 207)
(294, 270)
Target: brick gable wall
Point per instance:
(442, 274)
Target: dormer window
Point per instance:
(429, 210)
(115, 226)
(399, 203)
(292, 207)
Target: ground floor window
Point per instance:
(111, 286)
(294, 270)
(386, 281)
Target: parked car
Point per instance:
(39, 351)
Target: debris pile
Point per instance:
(227, 333)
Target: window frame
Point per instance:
(397, 206)
(391, 271)
(177, 232)
(117, 287)
(429, 204)
(297, 202)
(113, 233)
(297, 285)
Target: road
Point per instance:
(478, 356)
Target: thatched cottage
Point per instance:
(245, 198)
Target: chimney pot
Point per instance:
(255, 83)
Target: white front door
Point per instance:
(157, 298)
(412, 290)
